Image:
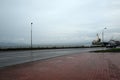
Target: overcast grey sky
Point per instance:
(58, 21)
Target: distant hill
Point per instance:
(23, 45)
(7, 45)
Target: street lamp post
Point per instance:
(31, 34)
(103, 34)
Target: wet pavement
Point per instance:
(83, 66)
(8, 58)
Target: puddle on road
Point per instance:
(70, 57)
(57, 61)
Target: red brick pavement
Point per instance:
(85, 66)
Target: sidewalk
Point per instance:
(85, 66)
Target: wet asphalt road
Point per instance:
(8, 58)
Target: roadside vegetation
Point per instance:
(109, 50)
(40, 48)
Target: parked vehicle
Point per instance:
(113, 44)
